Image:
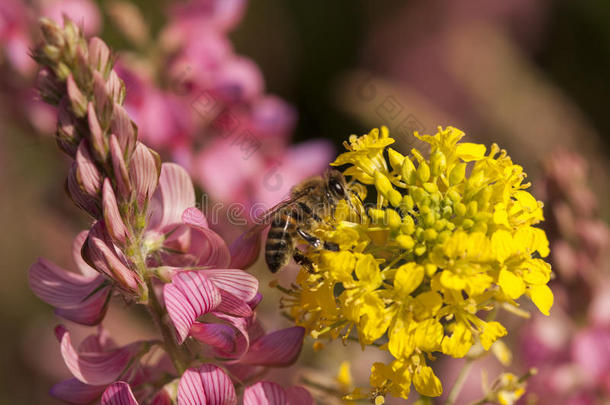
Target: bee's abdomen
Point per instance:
(280, 241)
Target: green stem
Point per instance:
(459, 382)
(169, 342)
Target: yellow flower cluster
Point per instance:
(450, 236)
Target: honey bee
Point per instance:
(309, 204)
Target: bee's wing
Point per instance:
(266, 217)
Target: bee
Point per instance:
(309, 204)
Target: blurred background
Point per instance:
(528, 75)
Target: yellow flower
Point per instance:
(450, 235)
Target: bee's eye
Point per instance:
(337, 188)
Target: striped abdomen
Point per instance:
(281, 240)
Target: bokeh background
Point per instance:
(529, 75)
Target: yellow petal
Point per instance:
(542, 297)
(470, 151)
(491, 332)
(502, 245)
(408, 277)
(426, 383)
(511, 284)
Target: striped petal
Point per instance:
(238, 283)
(93, 368)
(144, 173)
(206, 385)
(119, 393)
(276, 349)
(299, 396)
(221, 337)
(233, 306)
(190, 295)
(265, 393)
(174, 195)
(73, 391)
(78, 298)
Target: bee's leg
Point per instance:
(317, 242)
(303, 260)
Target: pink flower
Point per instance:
(84, 12)
(210, 385)
(80, 298)
(219, 14)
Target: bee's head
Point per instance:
(336, 184)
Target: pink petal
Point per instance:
(299, 396)
(144, 173)
(276, 349)
(221, 337)
(119, 393)
(72, 294)
(207, 385)
(232, 305)
(238, 283)
(73, 391)
(175, 194)
(189, 296)
(77, 256)
(162, 398)
(238, 80)
(242, 338)
(94, 368)
(206, 245)
(194, 217)
(245, 250)
(265, 393)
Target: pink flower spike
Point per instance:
(174, 195)
(221, 337)
(190, 295)
(75, 392)
(74, 295)
(299, 396)
(265, 393)
(112, 217)
(206, 385)
(94, 368)
(118, 393)
(245, 250)
(277, 349)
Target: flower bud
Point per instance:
(112, 216)
(51, 91)
(99, 56)
(120, 169)
(51, 32)
(124, 129)
(78, 101)
(98, 140)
